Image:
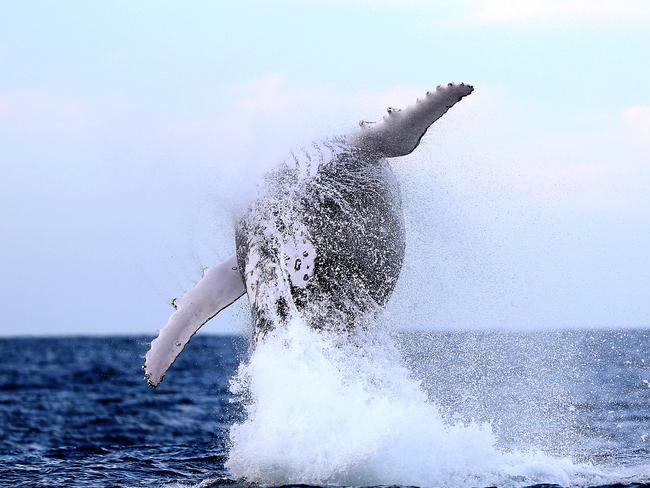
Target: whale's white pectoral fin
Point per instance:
(219, 287)
(401, 130)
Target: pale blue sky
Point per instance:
(132, 132)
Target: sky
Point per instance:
(132, 134)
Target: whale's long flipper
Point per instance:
(219, 287)
(401, 130)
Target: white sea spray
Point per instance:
(323, 411)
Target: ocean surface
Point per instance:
(572, 406)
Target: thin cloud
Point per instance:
(39, 113)
(637, 122)
(561, 11)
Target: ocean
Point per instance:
(570, 408)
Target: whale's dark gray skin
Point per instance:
(324, 243)
(327, 246)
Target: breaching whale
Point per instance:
(324, 242)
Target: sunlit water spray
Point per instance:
(333, 409)
(322, 411)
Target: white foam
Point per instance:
(322, 412)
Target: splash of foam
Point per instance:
(323, 412)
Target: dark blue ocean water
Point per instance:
(76, 411)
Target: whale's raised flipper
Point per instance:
(219, 287)
(401, 130)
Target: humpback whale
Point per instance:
(324, 242)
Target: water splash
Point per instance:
(321, 410)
